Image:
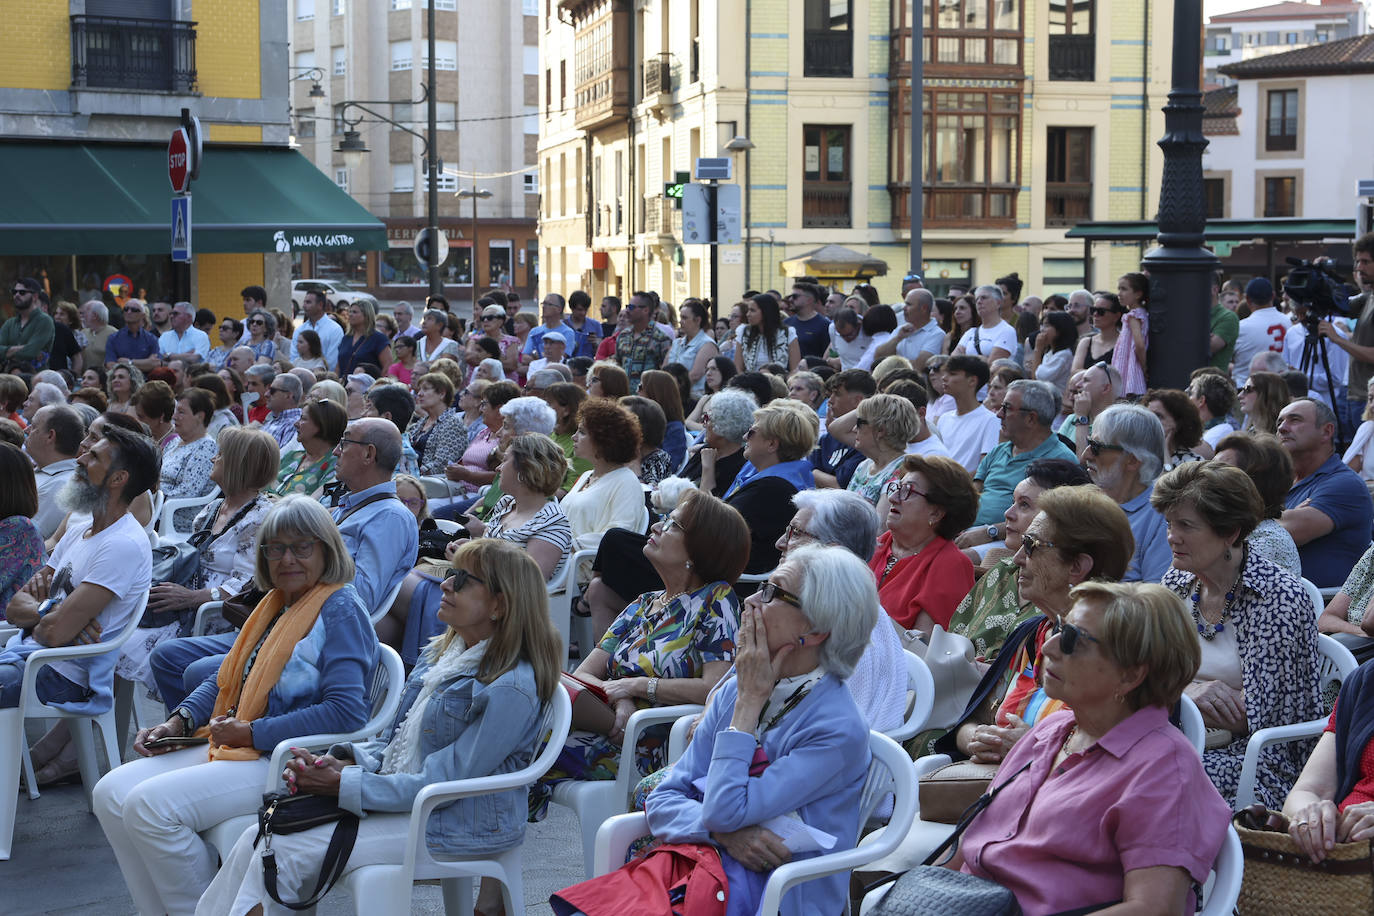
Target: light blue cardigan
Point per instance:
(818, 762)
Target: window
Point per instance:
(341, 179)
(305, 60)
(1280, 196)
(1068, 175)
(340, 62)
(445, 54)
(1072, 40)
(400, 4)
(305, 123)
(1291, 38)
(1214, 197)
(825, 177)
(336, 7)
(446, 4)
(972, 161)
(531, 183)
(1064, 273)
(1281, 122)
(446, 182)
(305, 9)
(529, 60)
(829, 41)
(981, 33)
(416, 117)
(400, 55)
(402, 176)
(529, 7)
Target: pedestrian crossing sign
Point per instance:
(181, 228)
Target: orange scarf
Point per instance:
(248, 698)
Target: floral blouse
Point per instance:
(1359, 585)
(21, 555)
(298, 474)
(227, 561)
(679, 640)
(441, 444)
(655, 466)
(186, 472)
(868, 481)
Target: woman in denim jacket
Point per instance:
(472, 707)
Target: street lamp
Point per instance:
(315, 74)
(474, 193)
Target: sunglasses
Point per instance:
(860, 422)
(1030, 544)
(256, 321)
(301, 550)
(460, 577)
(22, 292)
(1069, 635)
(1099, 310)
(1248, 389)
(1097, 447)
(770, 592)
(899, 492)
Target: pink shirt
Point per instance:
(1137, 799)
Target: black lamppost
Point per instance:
(1181, 268)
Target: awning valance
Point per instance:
(1219, 230)
(86, 197)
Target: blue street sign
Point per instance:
(181, 228)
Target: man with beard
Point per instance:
(27, 337)
(1124, 455)
(94, 583)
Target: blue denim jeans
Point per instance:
(181, 665)
(51, 686)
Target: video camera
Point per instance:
(1317, 287)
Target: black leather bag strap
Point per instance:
(331, 869)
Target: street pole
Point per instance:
(472, 270)
(917, 154)
(1180, 268)
(715, 247)
(436, 286)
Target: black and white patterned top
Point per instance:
(1276, 631)
(186, 472)
(548, 524)
(441, 444)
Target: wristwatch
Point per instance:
(216, 594)
(992, 533)
(1082, 421)
(188, 724)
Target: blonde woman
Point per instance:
(363, 343)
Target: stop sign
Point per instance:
(179, 160)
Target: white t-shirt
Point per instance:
(1217, 433)
(1364, 447)
(930, 446)
(848, 352)
(871, 353)
(971, 436)
(1339, 360)
(1263, 329)
(981, 341)
(118, 559)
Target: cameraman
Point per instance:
(1360, 346)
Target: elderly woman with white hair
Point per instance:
(1124, 456)
(43, 394)
(782, 737)
(490, 370)
(713, 464)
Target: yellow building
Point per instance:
(1037, 116)
(90, 94)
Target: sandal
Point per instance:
(581, 608)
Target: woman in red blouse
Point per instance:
(922, 576)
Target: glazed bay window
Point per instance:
(973, 158)
(825, 177)
(980, 34)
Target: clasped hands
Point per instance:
(312, 775)
(1320, 826)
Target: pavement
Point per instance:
(61, 863)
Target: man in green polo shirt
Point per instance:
(1028, 412)
(1225, 329)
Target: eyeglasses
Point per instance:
(1248, 389)
(22, 292)
(668, 524)
(797, 532)
(343, 440)
(275, 390)
(770, 592)
(411, 502)
(1069, 635)
(1030, 544)
(460, 577)
(301, 550)
(133, 308)
(899, 492)
(1099, 310)
(1004, 407)
(1097, 447)
(860, 422)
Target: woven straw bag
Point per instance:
(1280, 880)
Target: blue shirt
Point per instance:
(1001, 470)
(835, 458)
(813, 334)
(1152, 556)
(535, 342)
(1339, 494)
(798, 473)
(124, 344)
(383, 538)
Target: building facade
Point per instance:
(1036, 116)
(378, 53)
(1277, 28)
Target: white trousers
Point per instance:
(152, 811)
(238, 887)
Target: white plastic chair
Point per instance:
(156, 499)
(594, 800)
(14, 747)
(166, 530)
(560, 603)
(383, 888)
(889, 773)
(921, 685)
(204, 614)
(377, 613)
(437, 488)
(384, 695)
(1335, 664)
(1191, 724)
(1318, 602)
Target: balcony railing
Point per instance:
(1073, 57)
(1067, 203)
(971, 207)
(658, 215)
(140, 54)
(658, 74)
(826, 206)
(829, 53)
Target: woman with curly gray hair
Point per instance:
(725, 422)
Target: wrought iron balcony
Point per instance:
(658, 74)
(1073, 57)
(138, 54)
(826, 205)
(829, 53)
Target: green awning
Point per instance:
(114, 198)
(1222, 230)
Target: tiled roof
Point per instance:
(1349, 55)
(1220, 103)
(1289, 11)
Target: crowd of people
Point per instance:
(991, 465)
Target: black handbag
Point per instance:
(179, 564)
(283, 813)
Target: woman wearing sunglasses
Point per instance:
(1105, 317)
(1256, 622)
(262, 331)
(1105, 800)
(300, 666)
(783, 737)
(1261, 399)
(668, 646)
(471, 708)
(230, 333)
(1078, 534)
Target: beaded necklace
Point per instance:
(1209, 631)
